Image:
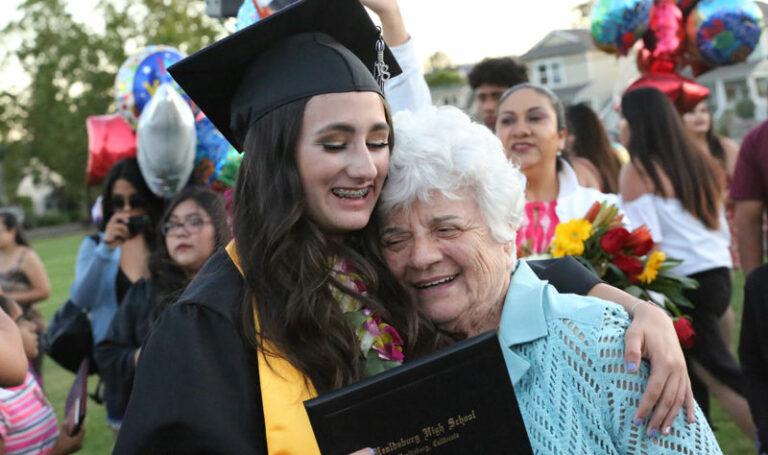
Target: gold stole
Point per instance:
(283, 392)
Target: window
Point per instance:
(550, 73)
(736, 90)
(762, 87)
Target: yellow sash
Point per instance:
(283, 392)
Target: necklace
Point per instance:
(380, 344)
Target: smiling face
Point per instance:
(190, 236)
(444, 251)
(343, 158)
(527, 127)
(699, 120)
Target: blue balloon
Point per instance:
(211, 154)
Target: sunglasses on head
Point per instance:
(119, 201)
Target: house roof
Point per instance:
(559, 43)
(567, 94)
(739, 71)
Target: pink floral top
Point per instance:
(537, 228)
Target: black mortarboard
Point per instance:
(308, 48)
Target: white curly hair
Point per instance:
(439, 149)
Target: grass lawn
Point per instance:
(59, 255)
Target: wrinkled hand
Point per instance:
(116, 231)
(652, 336)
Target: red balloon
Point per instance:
(666, 36)
(684, 93)
(110, 139)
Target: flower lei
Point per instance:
(380, 343)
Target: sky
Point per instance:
(465, 30)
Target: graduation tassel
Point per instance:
(380, 69)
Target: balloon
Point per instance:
(110, 140)
(721, 32)
(664, 37)
(250, 12)
(166, 142)
(686, 6)
(617, 24)
(211, 151)
(226, 173)
(684, 93)
(216, 161)
(139, 77)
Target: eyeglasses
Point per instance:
(134, 201)
(191, 226)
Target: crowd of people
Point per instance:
(356, 197)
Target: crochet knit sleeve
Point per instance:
(621, 393)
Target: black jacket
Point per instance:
(753, 349)
(127, 333)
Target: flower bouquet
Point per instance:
(626, 260)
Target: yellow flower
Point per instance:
(652, 266)
(570, 237)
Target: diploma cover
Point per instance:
(458, 400)
(77, 399)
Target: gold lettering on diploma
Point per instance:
(430, 436)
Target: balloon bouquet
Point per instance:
(677, 33)
(173, 141)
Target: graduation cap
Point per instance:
(309, 48)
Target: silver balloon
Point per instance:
(166, 142)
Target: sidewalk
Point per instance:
(62, 229)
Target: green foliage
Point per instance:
(72, 69)
(444, 77)
(745, 108)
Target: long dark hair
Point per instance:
(286, 260)
(713, 140)
(128, 169)
(658, 138)
(11, 222)
(168, 279)
(592, 143)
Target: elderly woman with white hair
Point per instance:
(448, 217)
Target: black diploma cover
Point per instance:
(458, 400)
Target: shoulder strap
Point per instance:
(17, 266)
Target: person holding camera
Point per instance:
(109, 263)
(193, 228)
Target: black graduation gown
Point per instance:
(196, 388)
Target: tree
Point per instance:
(438, 61)
(72, 69)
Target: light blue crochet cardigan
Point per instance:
(94, 285)
(565, 356)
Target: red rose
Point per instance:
(613, 240)
(629, 265)
(640, 241)
(685, 332)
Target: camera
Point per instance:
(137, 224)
